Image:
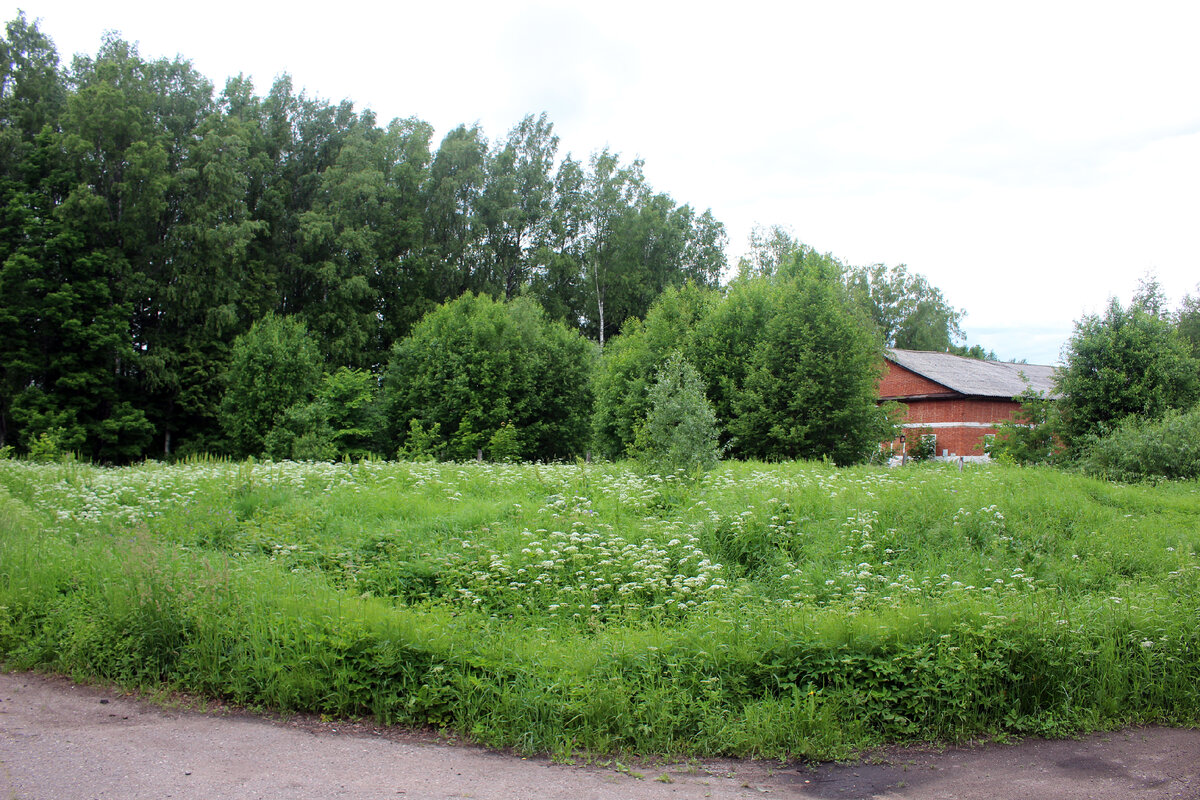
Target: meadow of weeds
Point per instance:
(783, 610)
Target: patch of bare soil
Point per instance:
(60, 740)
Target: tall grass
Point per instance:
(789, 610)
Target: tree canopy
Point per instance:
(1127, 362)
(147, 221)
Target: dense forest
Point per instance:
(184, 270)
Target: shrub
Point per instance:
(809, 390)
(49, 446)
(422, 443)
(922, 444)
(273, 366)
(1031, 436)
(1128, 362)
(680, 431)
(632, 360)
(474, 364)
(505, 444)
(1141, 449)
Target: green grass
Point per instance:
(787, 610)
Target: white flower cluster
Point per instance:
(586, 574)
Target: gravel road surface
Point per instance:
(59, 741)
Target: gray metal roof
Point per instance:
(971, 376)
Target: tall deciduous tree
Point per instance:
(454, 190)
(1126, 362)
(610, 192)
(516, 202)
(909, 311)
(1187, 322)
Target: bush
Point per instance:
(923, 445)
(1130, 362)
(422, 443)
(1140, 449)
(1031, 436)
(474, 364)
(680, 432)
(49, 446)
(809, 390)
(505, 444)
(632, 360)
(274, 366)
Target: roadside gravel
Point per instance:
(60, 741)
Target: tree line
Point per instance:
(1128, 394)
(160, 242)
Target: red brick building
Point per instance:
(957, 400)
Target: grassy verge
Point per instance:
(788, 610)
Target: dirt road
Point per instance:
(59, 741)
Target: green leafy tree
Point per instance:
(516, 202)
(630, 362)
(908, 310)
(454, 228)
(809, 389)
(274, 366)
(342, 421)
(680, 432)
(610, 192)
(1127, 362)
(404, 281)
(1140, 449)
(301, 433)
(723, 341)
(556, 264)
(1032, 435)
(475, 364)
(1187, 322)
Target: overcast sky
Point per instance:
(1031, 159)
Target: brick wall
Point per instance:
(900, 382)
(981, 414)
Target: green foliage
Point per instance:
(1140, 449)
(49, 446)
(421, 443)
(504, 446)
(1032, 435)
(146, 222)
(1127, 362)
(922, 445)
(630, 362)
(784, 611)
(809, 389)
(475, 364)
(680, 433)
(342, 421)
(909, 312)
(273, 367)
(787, 361)
(349, 399)
(1187, 323)
(301, 432)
